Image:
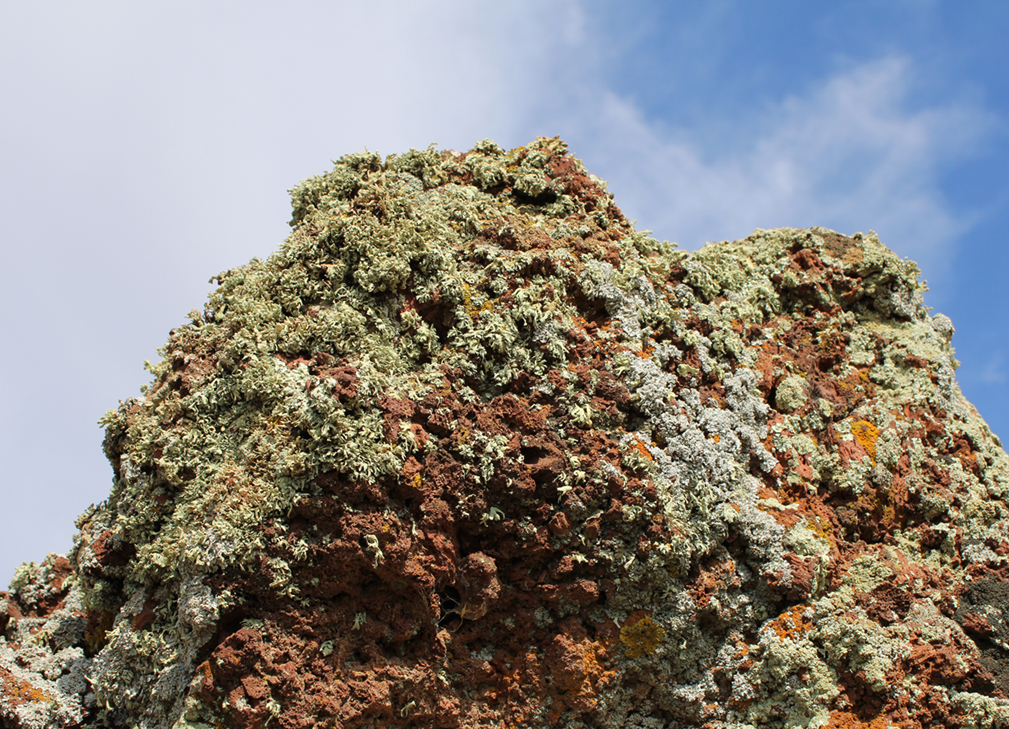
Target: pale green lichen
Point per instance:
(791, 394)
(790, 696)
(404, 273)
(333, 287)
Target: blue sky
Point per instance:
(147, 146)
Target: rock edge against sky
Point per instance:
(470, 451)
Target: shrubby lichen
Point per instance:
(469, 449)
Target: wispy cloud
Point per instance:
(994, 372)
(852, 153)
(148, 146)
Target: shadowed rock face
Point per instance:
(469, 451)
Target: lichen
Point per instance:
(469, 449)
(641, 636)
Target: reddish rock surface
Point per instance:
(468, 451)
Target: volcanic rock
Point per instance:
(470, 451)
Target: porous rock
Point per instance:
(470, 451)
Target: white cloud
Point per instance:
(994, 372)
(851, 153)
(149, 146)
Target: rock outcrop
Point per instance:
(470, 451)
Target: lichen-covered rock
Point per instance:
(469, 451)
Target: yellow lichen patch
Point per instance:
(641, 635)
(472, 309)
(820, 527)
(866, 434)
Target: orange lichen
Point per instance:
(866, 434)
(641, 635)
(578, 669)
(641, 448)
(521, 676)
(847, 720)
(22, 691)
(791, 624)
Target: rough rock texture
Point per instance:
(469, 451)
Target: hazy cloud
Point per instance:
(147, 147)
(994, 372)
(851, 153)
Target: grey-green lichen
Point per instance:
(251, 428)
(408, 276)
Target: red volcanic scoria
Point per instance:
(469, 451)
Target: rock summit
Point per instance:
(470, 451)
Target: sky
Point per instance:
(144, 147)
